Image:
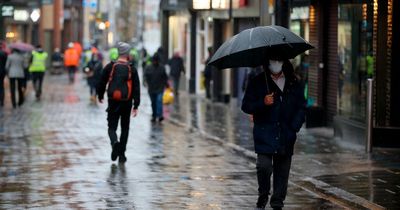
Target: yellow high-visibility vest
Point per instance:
(38, 62)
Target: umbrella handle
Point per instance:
(266, 81)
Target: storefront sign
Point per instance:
(35, 15)
(7, 11)
(21, 15)
(201, 4)
(300, 13)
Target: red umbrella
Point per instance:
(21, 46)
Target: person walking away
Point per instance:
(71, 61)
(37, 69)
(56, 61)
(276, 101)
(15, 70)
(123, 88)
(3, 60)
(134, 57)
(208, 73)
(156, 79)
(176, 66)
(93, 73)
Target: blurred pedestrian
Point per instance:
(113, 54)
(3, 60)
(156, 80)
(208, 73)
(71, 61)
(15, 66)
(276, 101)
(177, 68)
(37, 69)
(56, 61)
(93, 75)
(134, 57)
(123, 86)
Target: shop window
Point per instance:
(355, 56)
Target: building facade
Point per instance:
(354, 40)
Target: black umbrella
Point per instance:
(251, 47)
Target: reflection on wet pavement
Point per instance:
(55, 154)
(317, 153)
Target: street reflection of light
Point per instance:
(197, 194)
(102, 26)
(35, 15)
(10, 35)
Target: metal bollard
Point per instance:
(368, 146)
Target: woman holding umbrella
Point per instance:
(274, 98)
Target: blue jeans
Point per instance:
(156, 104)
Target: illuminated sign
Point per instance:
(201, 4)
(217, 4)
(21, 15)
(7, 11)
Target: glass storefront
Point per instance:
(355, 57)
(299, 24)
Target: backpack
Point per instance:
(120, 82)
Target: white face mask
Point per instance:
(275, 66)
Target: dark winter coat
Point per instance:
(94, 74)
(156, 78)
(176, 65)
(3, 60)
(275, 126)
(105, 75)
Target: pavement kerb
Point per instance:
(309, 184)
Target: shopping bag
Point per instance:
(168, 96)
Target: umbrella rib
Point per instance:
(283, 36)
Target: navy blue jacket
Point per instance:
(275, 126)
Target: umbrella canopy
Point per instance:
(21, 46)
(251, 47)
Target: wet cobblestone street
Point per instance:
(55, 154)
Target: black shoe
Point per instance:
(262, 201)
(153, 119)
(160, 119)
(122, 158)
(115, 151)
(277, 208)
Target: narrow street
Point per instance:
(55, 154)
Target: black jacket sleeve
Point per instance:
(251, 102)
(101, 86)
(136, 88)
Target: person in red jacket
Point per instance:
(71, 61)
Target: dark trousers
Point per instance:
(207, 86)
(2, 89)
(279, 166)
(71, 73)
(176, 81)
(119, 111)
(13, 83)
(156, 104)
(37, 81)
